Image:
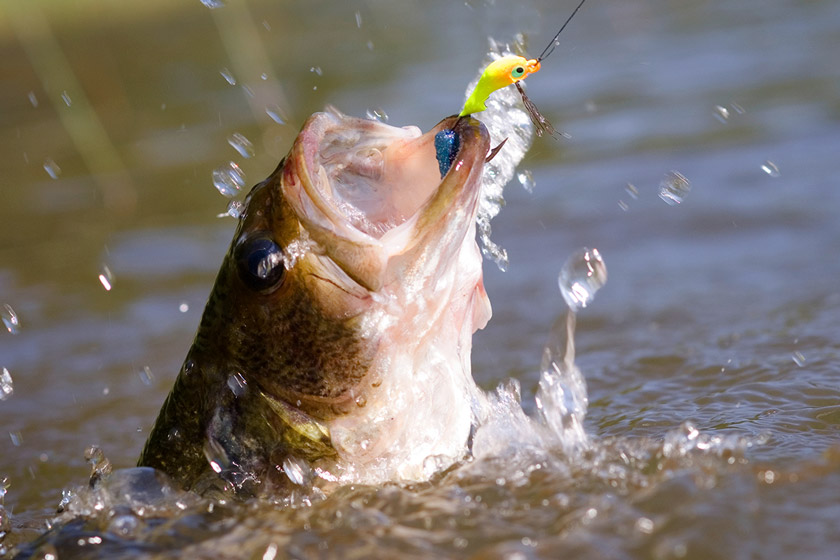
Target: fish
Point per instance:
(335, 344)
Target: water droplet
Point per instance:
(146, 375)
(228, 179)
(237, 384)
(52, 168)
(184, 307)
(16, 438)
(721, 113)
(266, 25)
(770, 168)
(248, 91)
(623, 205)
(582, 275)
(66, 98)
(264, 76)
(526, 179)
(241, 145)
(370, 45)
(360, 401)
(126, 525)
(798, 358)
(359, 19)
(100, 466)
(106, 277)
(270, 552)
(275, 113)
(644, 525)
(377, 114)
(234, 210)
(33, 99)
(213, 4)
(296, 469)
(632, 191)
(10, 319)
(317, 70)
(226, 74)
(738, 109)
(673, 188)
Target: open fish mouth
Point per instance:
(367, 191)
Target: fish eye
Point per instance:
(518, 71)
(260, 262)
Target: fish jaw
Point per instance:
(371, 195)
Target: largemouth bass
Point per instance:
(336, 341)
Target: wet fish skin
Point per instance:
(280, 365)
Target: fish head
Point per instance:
(340, 323)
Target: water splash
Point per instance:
(7, 386)
(234, 209)
(297, 470)
(228, 76)
(5, 518)
(583, 274)
(673, 188)
(228, 179)
(52, 168)
(237, 384)
(275, 113)
(10, 319)
(562, 398)
(377, 114)
(146, 376)
(721, 113)
(106, 278)
(505, 117)
(241, 144)
(770, 168)
(526, 179)
(100, 466)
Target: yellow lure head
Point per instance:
(498, 74)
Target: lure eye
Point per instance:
(518, 72)
(260, 262)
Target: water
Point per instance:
(582, 275)
(709, 360)
(228, 179)
(241, 144)
(674, 188)
(10, 319)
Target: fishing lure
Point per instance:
(512, 70)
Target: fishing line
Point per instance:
(550, 48)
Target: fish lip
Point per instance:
(364, 256)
